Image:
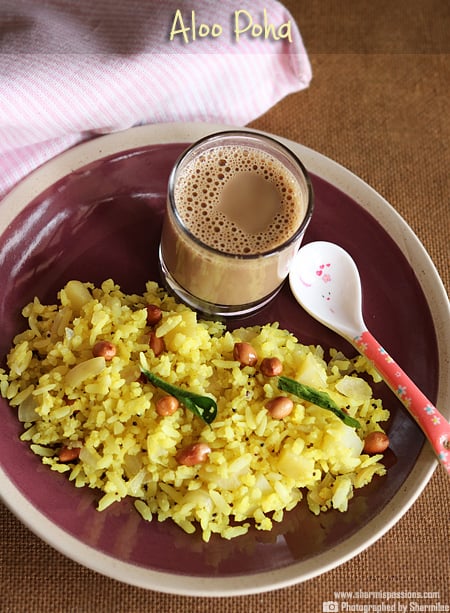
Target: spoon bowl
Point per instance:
(325, 281)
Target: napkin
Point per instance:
(71, 70)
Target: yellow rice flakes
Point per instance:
(258, 467)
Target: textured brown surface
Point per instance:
(379, 105)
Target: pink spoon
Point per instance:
(325, 282)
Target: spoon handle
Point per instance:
(432, 422)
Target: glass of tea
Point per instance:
(238, 205)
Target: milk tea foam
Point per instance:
(239, 206)
(239, 201)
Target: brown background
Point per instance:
(379, 105)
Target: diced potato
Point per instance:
(355, 388)
(342, 436)
(78, 295)
(297, 467)
(312, 372)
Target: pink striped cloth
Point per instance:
(74, 69)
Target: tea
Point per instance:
(239, 201)
(234, 227)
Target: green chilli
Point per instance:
(202, 406)
(321, 399)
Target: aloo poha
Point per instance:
(75, 378)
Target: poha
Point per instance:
(95, 418)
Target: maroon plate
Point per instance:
(103, 221)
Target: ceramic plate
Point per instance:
(95, 212)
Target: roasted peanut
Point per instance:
(193, 454)
(167, 405)
(67, 454)
(156, 344)
(271, 367)
(154, 314)
(376, 442)
(245, 354)
(104, 349)
(279, 407)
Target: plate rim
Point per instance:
(415, 253)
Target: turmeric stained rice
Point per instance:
(95, 419)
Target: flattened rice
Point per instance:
(95, 419)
